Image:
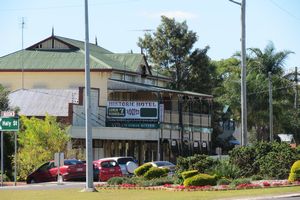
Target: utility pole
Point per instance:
(270, 107)
(296, 89)
(22, 52)
(243, 73)
(88, 131)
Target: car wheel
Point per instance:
(63, 178)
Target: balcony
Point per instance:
(194, 119)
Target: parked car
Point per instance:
(107, 168)
(164, 164)
(127, 164)
(71, 170)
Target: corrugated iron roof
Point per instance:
(39, 102)
(57, 59)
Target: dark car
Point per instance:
(107, 168)
(71, 170)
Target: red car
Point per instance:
(107, 168)
(71, 170)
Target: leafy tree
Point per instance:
(258, 64)
(3, 98)
(7, 137)
(202, 73)
(170, 49)
(39, 140)
(269, 60)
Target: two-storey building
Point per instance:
(133, 111)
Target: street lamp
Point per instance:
(88, 131)
(243, 73)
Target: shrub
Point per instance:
(141, 170)
(268, 159)
(119, 181)
(295, 172)
(155, 172)
(240, 181)
(200, 180)
(256, 177)
(225, 169)
(188, 174)
(278, 161)
(224, 181)
(156, 181)
(244, 158)
(202, 163)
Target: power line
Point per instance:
(266, 91)
(285, 10)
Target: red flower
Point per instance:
(266, 184)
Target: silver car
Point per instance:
(164, 164)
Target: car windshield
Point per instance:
(123, 161)
(163, 163)
(72, 162)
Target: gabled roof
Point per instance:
(60, 53)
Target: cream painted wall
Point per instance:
(55, 80)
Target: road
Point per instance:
(295, 196)
(48, 186)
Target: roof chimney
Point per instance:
(96, 42)
(52, 31)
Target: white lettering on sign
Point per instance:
(6, 123)
(132, 110)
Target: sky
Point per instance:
(118, 24)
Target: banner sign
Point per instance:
(138, 110)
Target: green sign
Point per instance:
(9, 124)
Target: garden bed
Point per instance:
(173, 187)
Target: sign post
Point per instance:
(8, 122)
(59, 161)
(2, 171)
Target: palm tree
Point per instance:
(269, 60)
(260, 63)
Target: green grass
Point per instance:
(75, 194)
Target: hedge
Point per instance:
(188, 174)
(155, 172)
(141, 170)
(295, 172)
(200, 180)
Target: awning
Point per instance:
(125, 86)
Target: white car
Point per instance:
(127, 164)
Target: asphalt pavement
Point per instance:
(47, 186)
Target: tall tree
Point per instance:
(3, 98)
(259, 65)
(171, 49)
(39, 140)
(269, 60)
(7, 137)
